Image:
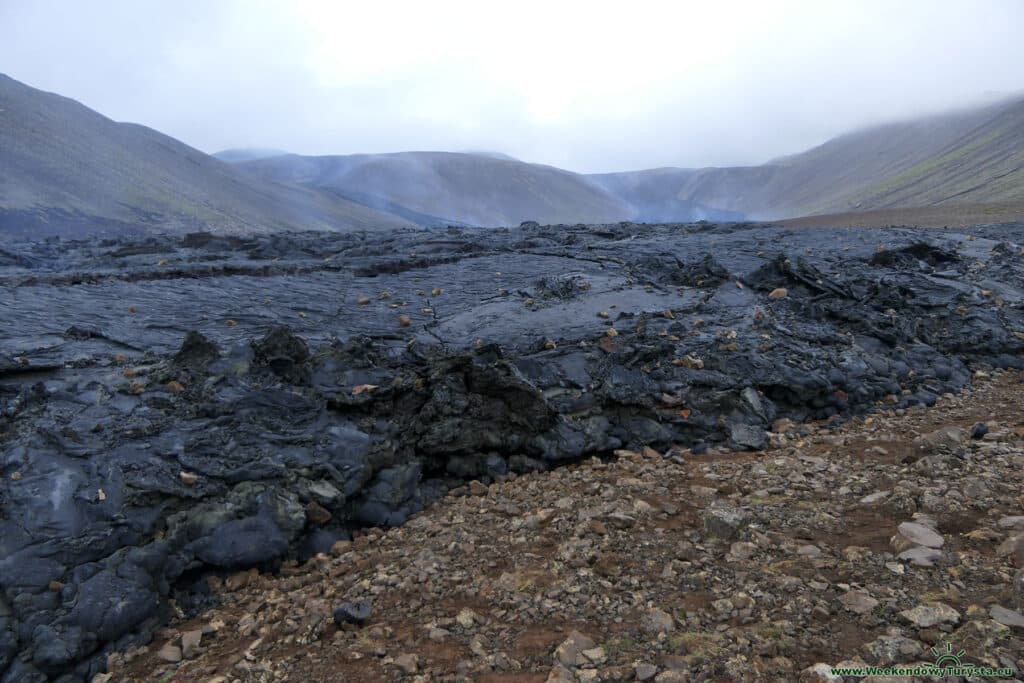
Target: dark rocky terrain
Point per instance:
(176, 407)
(874, 543)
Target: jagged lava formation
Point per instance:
(178, 406)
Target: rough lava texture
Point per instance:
(174, 407)
(754, 567)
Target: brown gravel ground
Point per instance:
(663, 567)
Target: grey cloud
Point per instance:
(233, 74)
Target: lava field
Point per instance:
(171, 407)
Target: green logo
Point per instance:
(945, 657)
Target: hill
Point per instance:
(653, 196)
(968, 157)
(441, 187)
(945, 216)
(235, 156)
(65, 169)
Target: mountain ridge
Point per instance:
(971, 155)
(479, 189)
(967, 156)
(467, 188)
(67, 169)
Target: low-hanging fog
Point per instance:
(588, 86)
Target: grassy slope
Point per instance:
(938, 216)
(59, 159)
(969, 157)
(466, 188)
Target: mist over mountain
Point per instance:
(447, 187)
(971, 156)
(654, 196)
(69, 170)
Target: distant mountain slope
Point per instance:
(235, 156)
(465, 188)
(652, 194)
(971, 157)
(65, 169)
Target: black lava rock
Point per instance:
(353, 613)
(300, 383)
(284, 353)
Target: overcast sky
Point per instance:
(590, 86)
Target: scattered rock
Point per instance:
(724, 521)
(748, 437)
(911, 534)
(169, 653)
(409, 663)
(559, 674)
(1007, 617)
(657, 621)
(1012, 547)
(1015, 523)
(858, 602)
(944, 440)
(620, 520)
(353, 613)
(246, 625)
(570, 653)
(819, 672)
(892, 649)
(644, 671)
(317, 513)
(190, 641)
(740, 551)
(467, 618)
(931, 614)
(876, 497)
(240, 580)
(921, 556)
